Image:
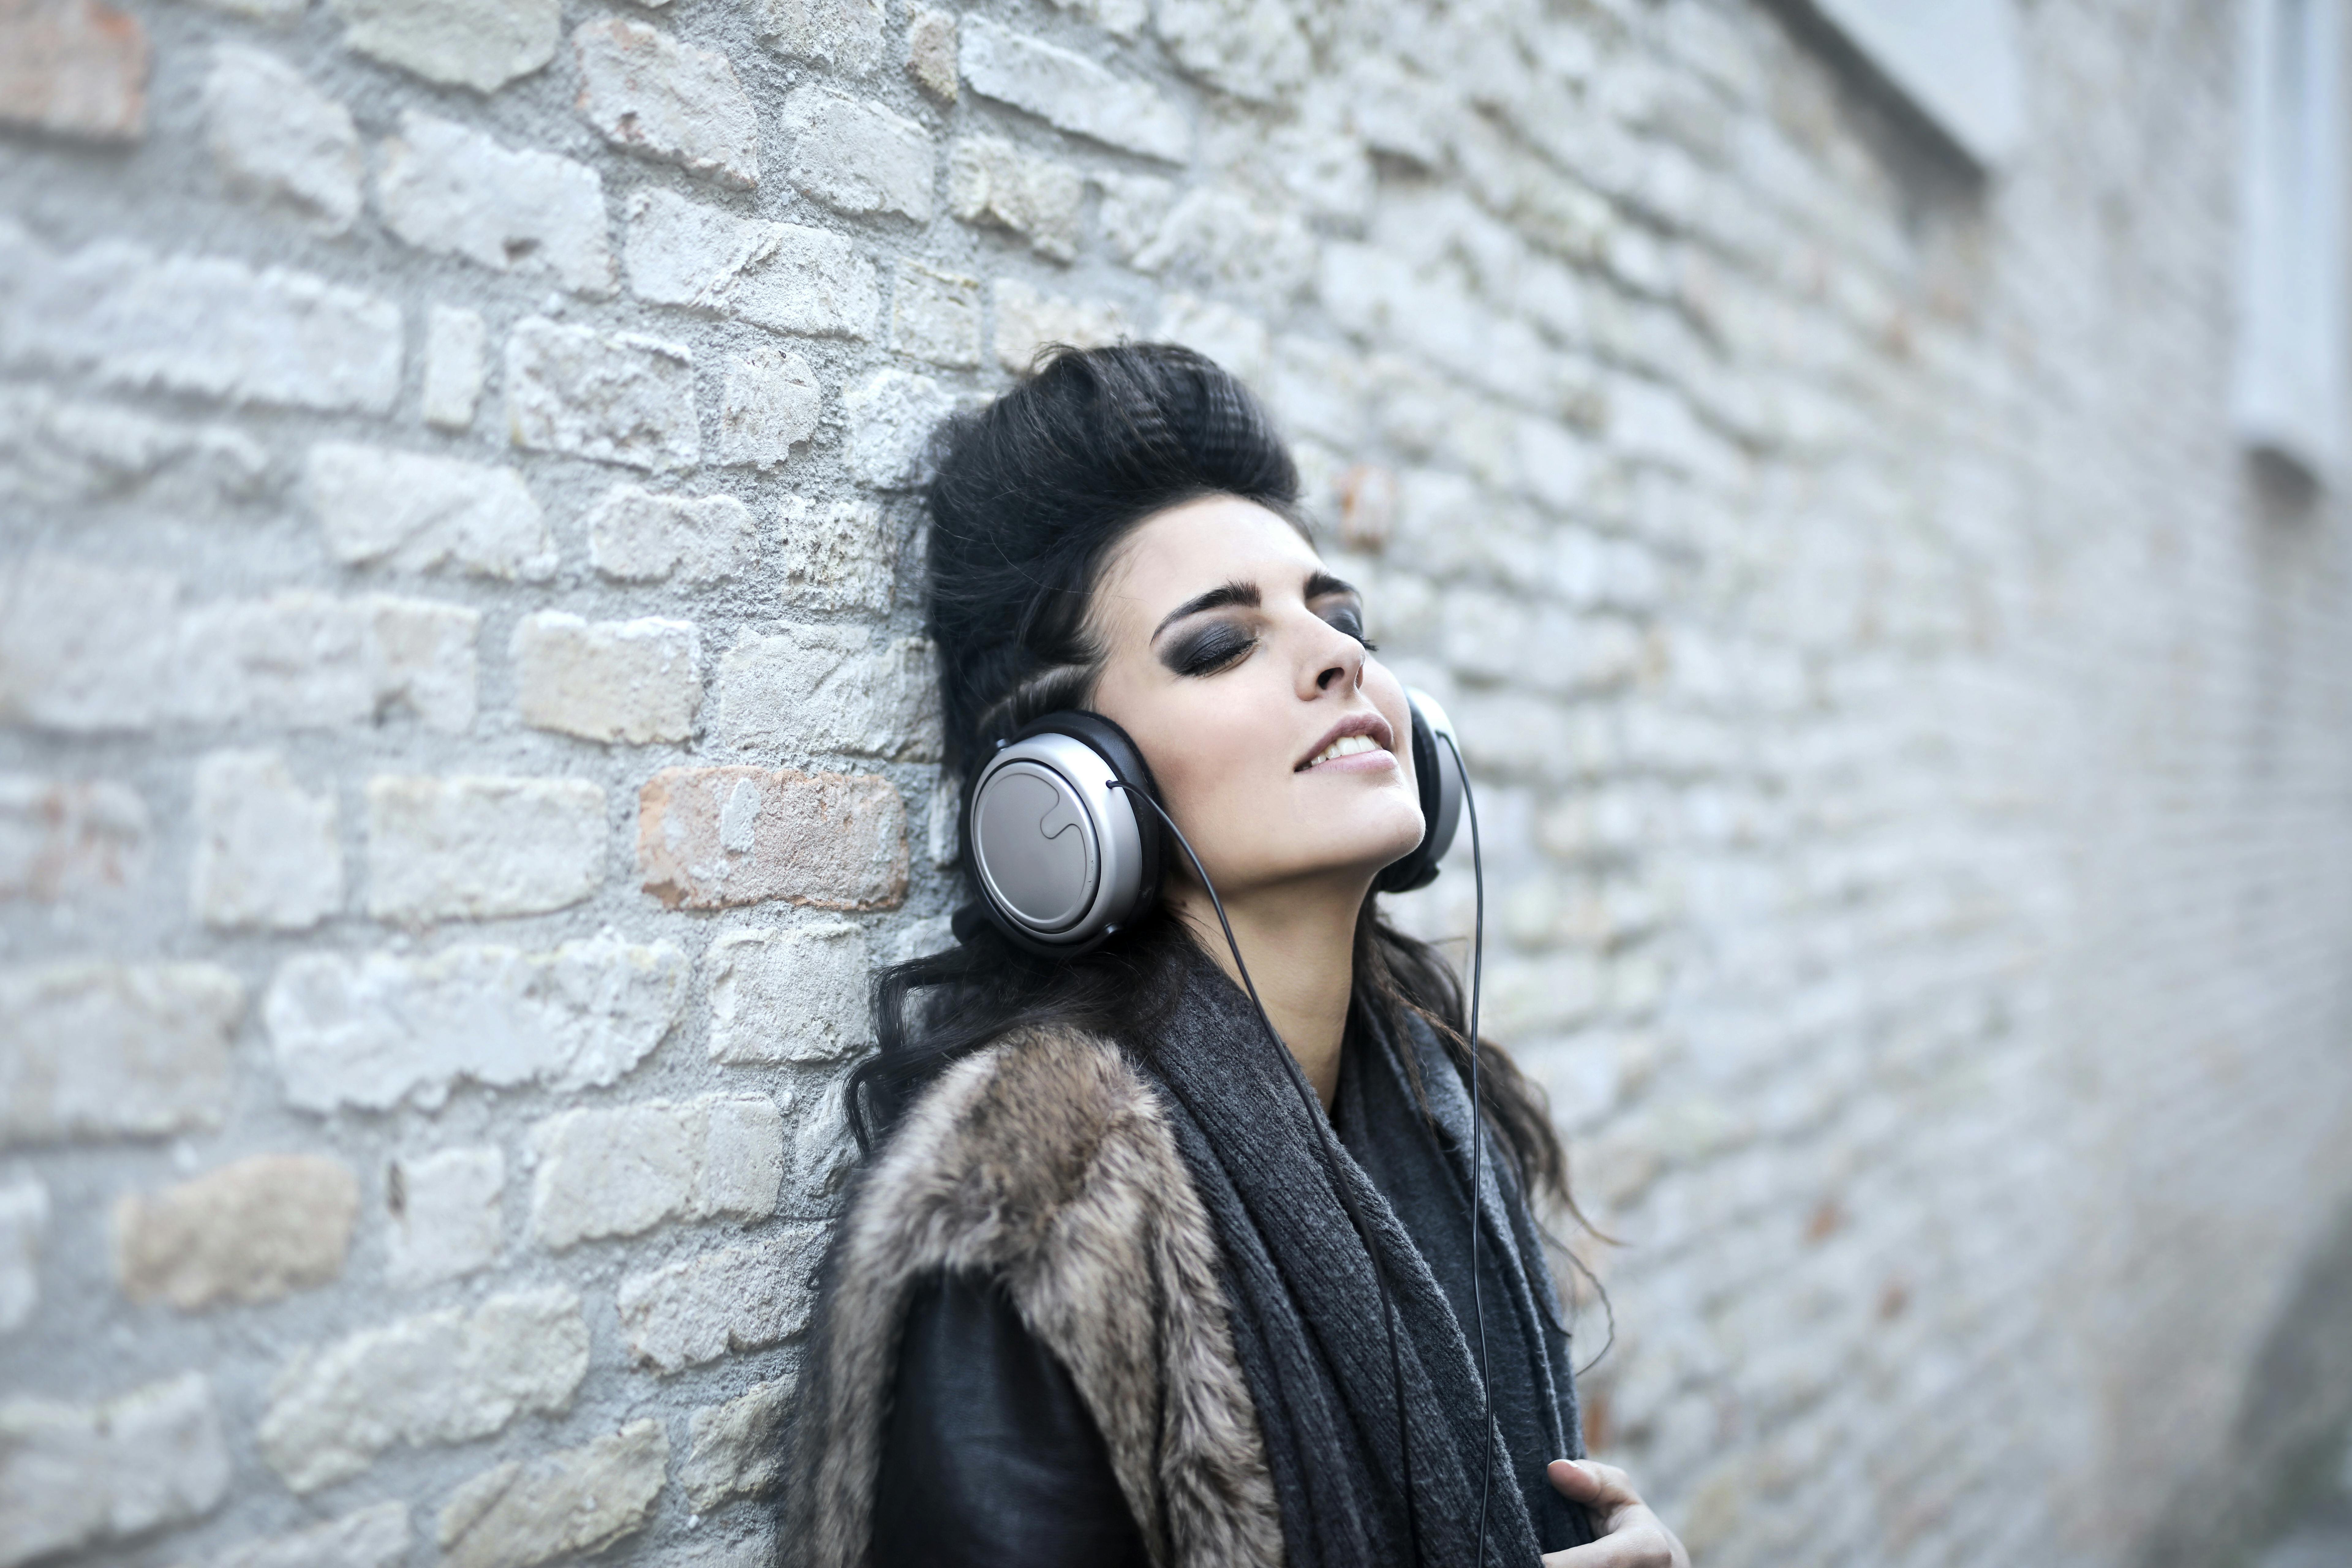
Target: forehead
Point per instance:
(1186, 550)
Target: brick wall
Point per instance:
(465, 733)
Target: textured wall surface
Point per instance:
(465, 735)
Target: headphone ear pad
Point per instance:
(1117, 748)
(1419, 869)
(1061, 884)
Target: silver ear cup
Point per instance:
(1055, 847)
(1448, 815)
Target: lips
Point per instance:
(1357, 734)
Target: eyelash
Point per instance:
(1216, 650)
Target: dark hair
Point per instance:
(1031, 496)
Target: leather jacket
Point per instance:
(988, 1456)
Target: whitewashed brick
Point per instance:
(75, 1475)
(62, 449)
(833, 556)
(738, 1299)
(935, 315)
(768, 404)
(828, 688)
(480, 44)
(636, 680)
(841, 34)
(649, 93)
(1219, 235)
(1121, 18)
(306, 660)
(419, 512)
(372, 1031)
(798, 995)
(446, 1221)
(269, 856)
(61, 840)
(73, 68)
(438, 1378)
(1067, 90)
(444, 188)
(715, 838)
(455, 344)
(782, 275)
(858, 157)
(1134, 206)
(738, 1447)
(23, 1228)
(1238, 341)
(204, 325)
(566, 1503)
(104, 1050)
(637, 536)
(991, 181)
(276, 136)
(475, 847)
(275, 11)
(253, 1230)
(931, 53)
(623, 1170)
(1251, 49)
(891, 415)
(372, 1537)
(1028, 320)
(86, 647)
(737, 1543)
(618, 399)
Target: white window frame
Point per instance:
(2287, 399)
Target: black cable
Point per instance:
(1478, 1138)
(1327, 1138)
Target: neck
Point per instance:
(1299, 941)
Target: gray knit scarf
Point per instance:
(1306, 1307)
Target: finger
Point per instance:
(1643, 1549)
(1595, 1485)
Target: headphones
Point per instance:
(1066, 857)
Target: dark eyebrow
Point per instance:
(1323, 583)
(1219, 599)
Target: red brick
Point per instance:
(711, 838)
(78, 68)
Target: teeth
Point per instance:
(1346, 746)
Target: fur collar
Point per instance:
(1046, 1160)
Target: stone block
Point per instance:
(23, 1228)
(931, 53)
(618, 397)
(646, 91)
(636, 680)
(372, 1537)
(782, 275)
(61, 840)
(833, 556)
(637, 536)
(307, 660)
(278, 12)
(376, 1030)
(61, 449)
(480, 44)
(445, 1217)
(86, 647)
(1251, 49)
(768, 404)
(455, 344)
(1028, 320)
(77, 1475)
(438, 1378)
(106, 1050)
(1238, 341)
(991, 181)
(268, 857)
(274, 136)
(476, 848)
(799, 994)
(1067, 90)
(845, 36)
(891, 415)
(712, 838)
(935, 315)
(737, 1298)
(567, 1503)
(252, 1231)
(623, 1170)
(202, 325)
(810, 689)
(856, 156)
(738, 1447)
(1133, 208)
(420, 659)
(1224, 236)
(73, 68)
(444, 188)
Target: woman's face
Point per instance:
(1281, 747)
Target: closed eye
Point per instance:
(1211, 648)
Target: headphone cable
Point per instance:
(1477, 1139)
(1324, 1141)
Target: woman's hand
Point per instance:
(1631, 1535)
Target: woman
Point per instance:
(1108, 1293)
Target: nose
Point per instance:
(1339, 665)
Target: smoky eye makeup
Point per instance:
(1207, 649)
